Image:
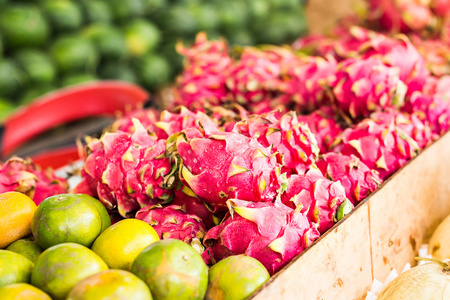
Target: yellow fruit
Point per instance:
(122, 242)
(16, 213)
(22, 291)
(439, 244)
(14, 268)
(60, 267)
(111, 284)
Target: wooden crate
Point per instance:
(385, 231)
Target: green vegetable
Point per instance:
(38, 67)
(141, 37)
(74, 54)
(109, 41)
(12, 79)
(23, 26)
(64, 15)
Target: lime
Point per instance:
(27, 247)
(12, 78)
(111, 284)
(60, 267)
(97, 11)
(67, 218)
(64, 15)
(74, 54)
(153, 70)
(141, 37)
(172, 270)
(109, 41)
(122, 242)
(235, 277)
(14, 268)
(22, 291)
(38, 67)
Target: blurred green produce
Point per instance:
(6, 108)
(47, 44)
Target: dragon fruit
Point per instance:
(188, 201)
(20, 175)
(284, 134)
(409, 123)
(363, 86)
(226, 165)
(128, 171)
(322, 200)
(206, 66)
(322, 124)
(436, 54)
(438, 87)
(227, 116)
(146, 116)
(383, 147)
(401, 53)
(308, 82)
(432, 110)
(401, 15)
(255, 79)
(270, 232)
(357, 179)
(172, 222)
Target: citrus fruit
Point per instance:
(16, 213)
(27, 247)
(22, 291)
(67, 218)
(14, 268)
(60, 267)
(122, 242)
(172, 270)
(235, 277)
(111, 284)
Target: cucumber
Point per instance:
(63, 15)
(12, 79)
(38, 67)
(73, 79)
(153, 71)
(35, 92)
(6, 108)
(23, 26)
(109, 41)
(141, 37)
(74, 54)
(117, 71)
(97, 11)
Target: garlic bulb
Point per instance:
(439, 245)
(430, 281)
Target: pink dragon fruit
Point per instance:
(308, 82)
(432, 110)
(323, 201)
(436, 54)
(227, 165)
(409, 123)
(227, 116)
(255, 80)
(172, 222)
(401, 53)
(322, 124)
(283, 134)
(206, 66)
(383, 147)
(128, 171)
(270, 232)
(146, 116)
(441, 7)
(188, 201)
(363, 86)
(357, 179)
(401, 15)
(23, 176)
(438, 87)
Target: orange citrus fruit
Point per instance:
(22, 291)
(122, 242)
(60, 267)
(111, 284)
(27, 247)
(16, 213)
(14, 268)
(67, 218)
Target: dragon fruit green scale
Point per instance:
(128, 171)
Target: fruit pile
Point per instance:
(75, 253)
(48, 44)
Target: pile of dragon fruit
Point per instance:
(263, 149)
